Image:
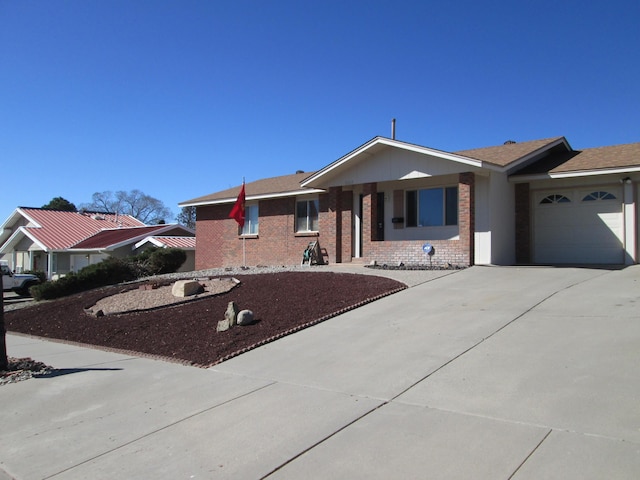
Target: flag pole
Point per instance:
(244, 241)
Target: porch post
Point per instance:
(466, 215)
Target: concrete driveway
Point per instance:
(484, 373)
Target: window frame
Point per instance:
(308, 218)
(418, 199)
(251, 225)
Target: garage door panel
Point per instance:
(578, 231)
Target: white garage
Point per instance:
(578, 226)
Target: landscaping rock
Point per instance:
(245, 317)
(186, 288)
(223, 326)
(231, 314)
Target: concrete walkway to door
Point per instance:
(484, 373)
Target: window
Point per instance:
(432, 207)
(307, 216)
(556, 198)
(250, 220)
(598, 196)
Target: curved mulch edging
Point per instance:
(190, 363)
(284, 303)
(301, 327)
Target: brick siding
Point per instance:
(220, 245)
(523, 223)
(446, 252)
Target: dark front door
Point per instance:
(380, 216)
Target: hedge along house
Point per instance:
(389, 201)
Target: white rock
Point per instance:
(245, 317)
(185, 288)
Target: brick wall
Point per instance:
(455, 252)
(220, 245)
(523, 223)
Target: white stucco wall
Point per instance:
(394, 164)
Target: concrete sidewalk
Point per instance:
(485, 373)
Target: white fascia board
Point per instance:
(145, 240)
(21, 231)
(31, 220)
(396, 144)
(591, 173)
(249, 198)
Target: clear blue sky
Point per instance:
(182, 98)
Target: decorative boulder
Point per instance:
(245, 317)
(186, 288)
(231, 314)
(223, 326)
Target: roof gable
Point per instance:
(377, 147)
(162, 241)
(508, 154)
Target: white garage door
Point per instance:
(578, 226)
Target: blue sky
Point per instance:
(182, 98)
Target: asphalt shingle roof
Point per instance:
(266, 186)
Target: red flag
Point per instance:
(237, 212)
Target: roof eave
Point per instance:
(589, 173)
(249, 198)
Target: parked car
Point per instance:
(17, 282)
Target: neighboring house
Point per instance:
(188, 244)
(59, 242)
(536, 202)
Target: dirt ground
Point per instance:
(282, 304)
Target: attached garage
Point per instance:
(578, 226)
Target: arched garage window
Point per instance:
(600, 195)
(555, 198)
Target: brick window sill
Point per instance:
(307, 234)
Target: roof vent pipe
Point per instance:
(393, 128)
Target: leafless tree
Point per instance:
(144, 207)
(187, 217)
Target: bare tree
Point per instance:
(187, 217)
(144, 207)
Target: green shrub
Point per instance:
(165, 260)
(153, 261)
(107, 272)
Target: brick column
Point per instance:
(369, 211)
(346, 237)
(466, 215)
(523, 223)
(331, 226)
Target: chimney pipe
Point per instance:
(393, 128)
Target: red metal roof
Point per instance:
(59, 230)
(186, 243)
(114, 237)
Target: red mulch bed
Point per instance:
(282, 303)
